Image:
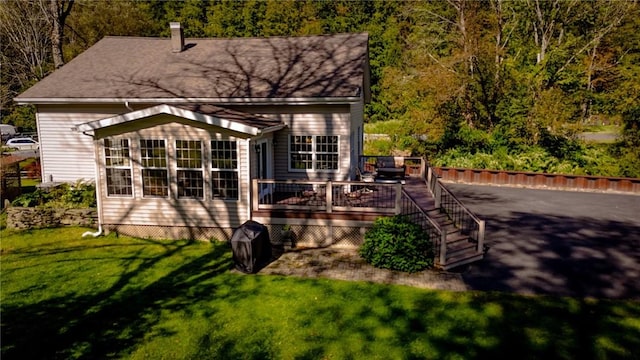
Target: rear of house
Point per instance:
(173, 130)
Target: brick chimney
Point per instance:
(177, 37)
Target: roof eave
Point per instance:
(271, 129)
(252, 101)
(92, 126)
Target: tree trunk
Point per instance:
(59, 9)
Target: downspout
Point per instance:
(249, 195)
(98, 194)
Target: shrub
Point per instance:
(398, 244)
(79, 195)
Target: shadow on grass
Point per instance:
(455, 325)
(105, 324)
(262, 317)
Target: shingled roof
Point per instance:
(211, 70)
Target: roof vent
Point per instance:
(177, 37)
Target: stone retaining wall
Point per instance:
(33, 218)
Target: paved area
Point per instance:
(540, 242)
(556, 242)
(346, 264)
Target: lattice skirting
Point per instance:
(171, 232)
(298, 235)
(317, 235)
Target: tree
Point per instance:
(59, 10)
(25, 53)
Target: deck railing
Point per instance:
(414, 166)
(327, 196)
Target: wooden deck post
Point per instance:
(329, 196)
(423, 169)
(481, 227)
(443, 248)
(254, 192)
(437, 194)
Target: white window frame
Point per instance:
(128, 166)
(235, 170)
(178, 168)
(166, 168)
(314, 154)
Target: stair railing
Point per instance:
(416, 215)
(468, 223)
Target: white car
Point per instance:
(22, 144)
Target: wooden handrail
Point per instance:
(442, 235)
(439, 191)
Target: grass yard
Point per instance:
(118, 297)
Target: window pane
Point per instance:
(327, 162)
(188, 154)
(190, 184)
(301, 161)
(301, 143)
(116, 152)
(155, 182)
(327, 152)
(153, 153)
(119, 182)
(224, 184)
(224, 154)
(118, 167)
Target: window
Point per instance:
(301, 152)
(189, 174)
(118, 167)
(224, 170)
(155, 176)
(314, 152)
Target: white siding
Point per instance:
(138, 210)
(67, 155)
(309, 120)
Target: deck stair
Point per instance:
(461, 247)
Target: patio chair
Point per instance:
(365, 175)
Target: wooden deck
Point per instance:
(339, 212)
(362, 202)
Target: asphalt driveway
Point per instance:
(556, 242)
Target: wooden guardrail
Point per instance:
(326, 196)
(539, 180)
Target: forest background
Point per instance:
(498, 84)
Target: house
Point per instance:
(174, 130)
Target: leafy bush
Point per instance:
(78, 195)
(398, 244)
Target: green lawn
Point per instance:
(67, 297)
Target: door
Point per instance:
(265, 166)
